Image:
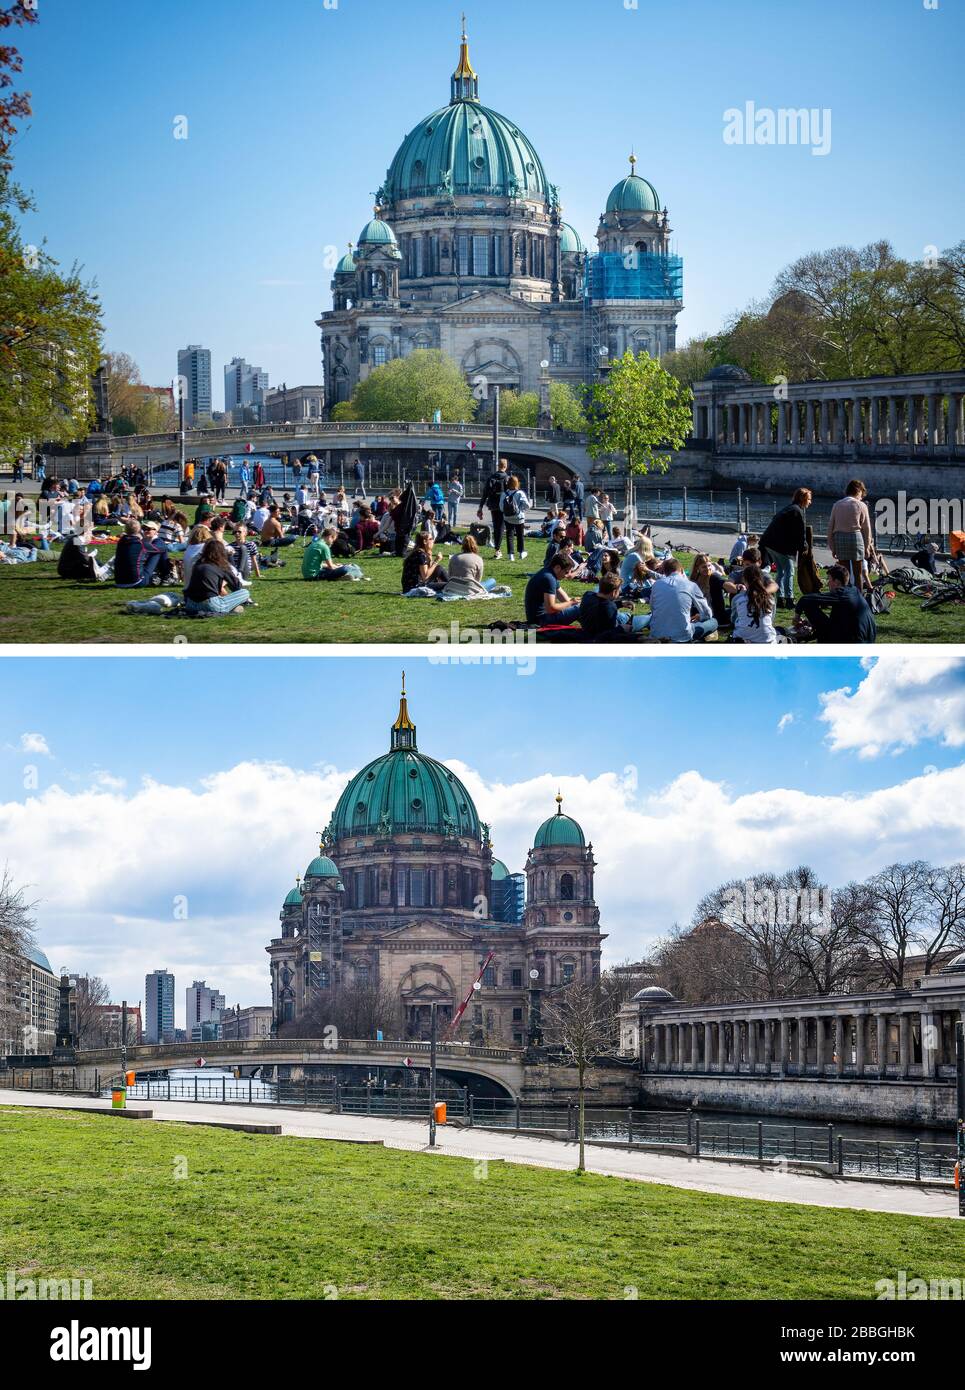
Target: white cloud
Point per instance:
(35, 743)
(111, 867)
(784, 722)
(899, 702)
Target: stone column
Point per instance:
(874, 420)
(892, 438)
(819, 1026)
(860, 1022)
(840, 1029)
(781, 424)
(934, 405)
(881, 1022)
(768, 1044)
(708, 1047)
(824, 425)
(904, 1044)
(929, 1045)
(784, 1045)
(802, 1046)
(752, 1030)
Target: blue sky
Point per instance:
(295, 111)
(128, 785)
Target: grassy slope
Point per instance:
(93, 1197)
(36, 606)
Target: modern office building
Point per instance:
(244, 391)
(194, 366)
(42, 1004)
(159, 1007)
(203, 1008)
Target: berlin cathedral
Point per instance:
(468, 253)
(406, 891)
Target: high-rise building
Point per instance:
(194, 366)
(203, 1008)
(244, 389)
(159, 1007)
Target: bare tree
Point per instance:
(16, 939)
(831, 957)
(945, 922)
(358, 1009)
(91, 994)
(894, 915)
(579, 1019)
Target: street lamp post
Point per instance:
(960, 1073)
(432, 1076)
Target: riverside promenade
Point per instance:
(771, 1182)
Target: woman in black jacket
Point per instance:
(784, 540)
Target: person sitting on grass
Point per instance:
(600, 614)
(77, 563)
(466, 572)
(244, 553)
(752, 607)
(678, 610)
(556, 540)
(198, 538)
(273, 533)
(140, 556)
(366, 529)
(545, 600)
(420, 568)
(215, 587)
(317, 562)
(848, 617)
(203, 512)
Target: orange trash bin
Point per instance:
(440, 1112)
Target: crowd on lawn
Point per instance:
(118, 532)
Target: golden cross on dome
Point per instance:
(559, 803)
(633, 161)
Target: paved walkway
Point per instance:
(673, 1170)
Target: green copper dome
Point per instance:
(633, 194)
(570, 239)
(499, 871)
(294, 898)
(466, 149)
(346, 265)
(405, 792)
(322, 867)
(559, 830)
(376, 233)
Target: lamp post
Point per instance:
(535, 1022)
(432, 1076)
(960, 1074)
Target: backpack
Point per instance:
(879, 600)
(510, 507)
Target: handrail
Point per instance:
(348, 427)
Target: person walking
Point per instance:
(492, 498)
(849, 531)
(515, 504)
(454, 495)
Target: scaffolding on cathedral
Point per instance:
(632, 275)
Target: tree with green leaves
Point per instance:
(519, 410)
(412, 388)
(50, 338)
(640, 411)
(566, 408)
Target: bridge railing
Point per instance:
(307, 429)
(278, 1049)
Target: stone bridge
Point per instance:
(503, 1066)
(104, 455)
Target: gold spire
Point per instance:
(403, 721)
(633, 162)
(559, 803)
(465, 68)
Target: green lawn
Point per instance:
(36, 606)
(262, 1217)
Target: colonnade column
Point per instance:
(819, 1041)
(839, 1044)
(860, 1026)
(708, 1046)
(881, 1021)
(904, 1044)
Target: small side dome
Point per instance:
(633, 194)
(559, 830)
(570, 241)
(653, 994)
(500, 871)
(294, 898)
(322, 867)
(728, 372)
(346, 265)
(956, 966)
(377, 233)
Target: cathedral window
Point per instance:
(489, 976)
(380, 354)
(567, 887)
(416, 256)
(567, 971)
(517, 1015)
(497, 255)
(480, 255)
(362, 972)
(558, 354)
(462, 254)
(517, 978)
(418, 888)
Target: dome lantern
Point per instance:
(403, 730)
(465, 83)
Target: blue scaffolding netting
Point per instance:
(611, 275)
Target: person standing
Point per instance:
(492, 498)
(515, 504)
(849, 530)
(784, 540)
(244, 478)
(358, 471)
(554, 492)
(454, 495)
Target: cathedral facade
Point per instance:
(468, 253)
(406, 892)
